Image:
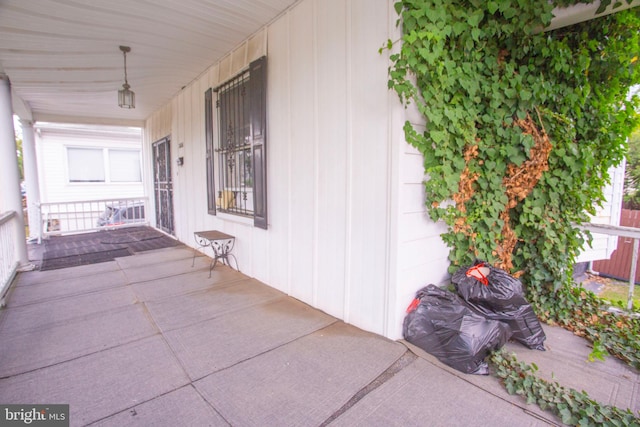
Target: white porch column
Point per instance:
(10, 198)
(30, 164)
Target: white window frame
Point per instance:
(73, 173)
(106, 159)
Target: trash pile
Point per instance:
(462, 328)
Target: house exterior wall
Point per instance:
(421, 257)
(158, 126)
(51, 148)
(602, 245)
(347, 230)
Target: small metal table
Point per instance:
(219, 242)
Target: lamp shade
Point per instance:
(126, 97)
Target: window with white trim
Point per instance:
(124, 166)
(86, 164)
(107, 165)
(239, 151)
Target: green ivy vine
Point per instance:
(571, 406)
(495, 91)
(522, 128)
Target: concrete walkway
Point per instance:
(148, 340)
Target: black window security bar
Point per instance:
(235, 191)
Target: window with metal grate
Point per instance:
(240, 148)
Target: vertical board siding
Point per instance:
(197, 155)
(256, 46)
(331, 151)
(180, 180)
(370, 168)
(158, 126)
(279, 156)
(302, 145)
(331, 176)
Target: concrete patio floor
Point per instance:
(148, 340)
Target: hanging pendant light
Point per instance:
(126, 97)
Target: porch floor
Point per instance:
(150, 340)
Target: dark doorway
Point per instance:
(162, 186)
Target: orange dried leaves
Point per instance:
(465, 191)
(519, 183)
(521, 180)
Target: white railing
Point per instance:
(9, 261)
(91, 215)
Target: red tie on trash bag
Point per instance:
(414, 304)
(476, 273)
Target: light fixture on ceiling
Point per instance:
(126, 97)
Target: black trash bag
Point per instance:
(440, 323)
(499, 296)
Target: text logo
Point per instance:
(34, 415)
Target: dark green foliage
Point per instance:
(474, 71)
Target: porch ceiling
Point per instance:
(64, 62)
(63, 59)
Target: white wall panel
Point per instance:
(412, 168)
(184, 145)
(412, 197)
(239, 59)
(341, 180)
(180, 195)
(225, 69)
(418, 225)
(260, 256)
(332, 154)
(159, 124)
(256, 46)
(278, 155)
(421, 251)
(369, 168)
(302, 93)
(196, 155)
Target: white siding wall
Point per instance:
(421, 257)
(51, 146)
(157, 127)
(347, 230)
(602, 245)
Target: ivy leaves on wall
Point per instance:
(522, 125)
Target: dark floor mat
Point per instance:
(101, 246)
(131, 237)
(151, 244)
(83, 259)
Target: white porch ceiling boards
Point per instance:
(63, 60)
